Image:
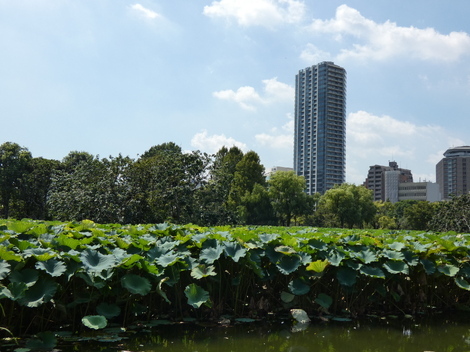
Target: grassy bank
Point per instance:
(86, 275)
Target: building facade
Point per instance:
(320, 126)
(426, 191)
(453, 172)
(384, 181)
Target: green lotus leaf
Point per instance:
(273, 255)
(324, 300)
(393, 255)
(95, 322)
(318, 245)
(41, 292)
(462, 283)
(53, 267)
(365, 256)
(285, 250)
(465, 270)
(372, 271)
(335, 257)
(448, 269)
(211, 254)
(41, 254)
(20, 226)
(95, 262)
(4, 269)
(396, 246)
(429, 266)
(44, 341)
(136, 284)
(202, 270)
(234, 250)
(288, 264)
(420, 247)
(300, 315)
(396, 267)
(120, 255)
(5, 254)
(168, 259)
(196, 295)
(287, 297)
(14, 291)
(318, 266)
(267, 237)
(411, 258)
(346, 276)
(298, 287)
(27, 276)
(108, 310)
(160, 290)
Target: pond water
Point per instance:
(371, 335)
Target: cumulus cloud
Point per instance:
(279, 139)
(266, 13)
(375, 139)
(248, 98)
(212, 144)
(313, 54)
(144, 12)
(380, 41)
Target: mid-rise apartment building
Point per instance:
(384, 181)
(453, 172)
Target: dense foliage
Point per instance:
(85, 274)
(166, 184)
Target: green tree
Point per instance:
(14, 163)
(418, 215)
(348, 204)
(288, 197)
(452, 215)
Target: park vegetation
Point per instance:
(166, 184)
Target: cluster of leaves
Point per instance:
(86, 274)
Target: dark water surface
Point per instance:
(372, 335)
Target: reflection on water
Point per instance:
(374, 335)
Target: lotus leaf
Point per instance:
(287, 297)
(335, 257)
(285, 250)
(168, 259)
(9, 255)
(20, 226)
(372, 271)
(462, 283)
(4, 269)
(346, 276)
(27, 276)
(393, 255)
(211, 254)
(266, 238)
(273, 255)
(397, 246)
(298, 287)
(324, 300)
(53, 267)
(95, 262)
(318, 245)
(300, 315)
(318, 266)
(288, 264)
(196, 295)
(14, 291)
(41, 292)
(411, 258)
(234, 250)
(108, 310)
(43, 341)
(160, 290)
(365, 256)
(202, 270)
(396, 267)
(136, 284)
(429, 266)
(448, 269)
(95, 322)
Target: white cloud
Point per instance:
(312, 54)
(211, 144)
(144, 12)
(248, 98)
(381, 41)
(375, 139)
(266, 13)
(279, 139)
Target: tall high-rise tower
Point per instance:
(320, 126)
(453, 172)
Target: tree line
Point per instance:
(166, 184)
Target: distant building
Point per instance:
(427, 191)
(384, 181)
(453, 172)
(320, 126)
(276, 169)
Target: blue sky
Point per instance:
(118, 76)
